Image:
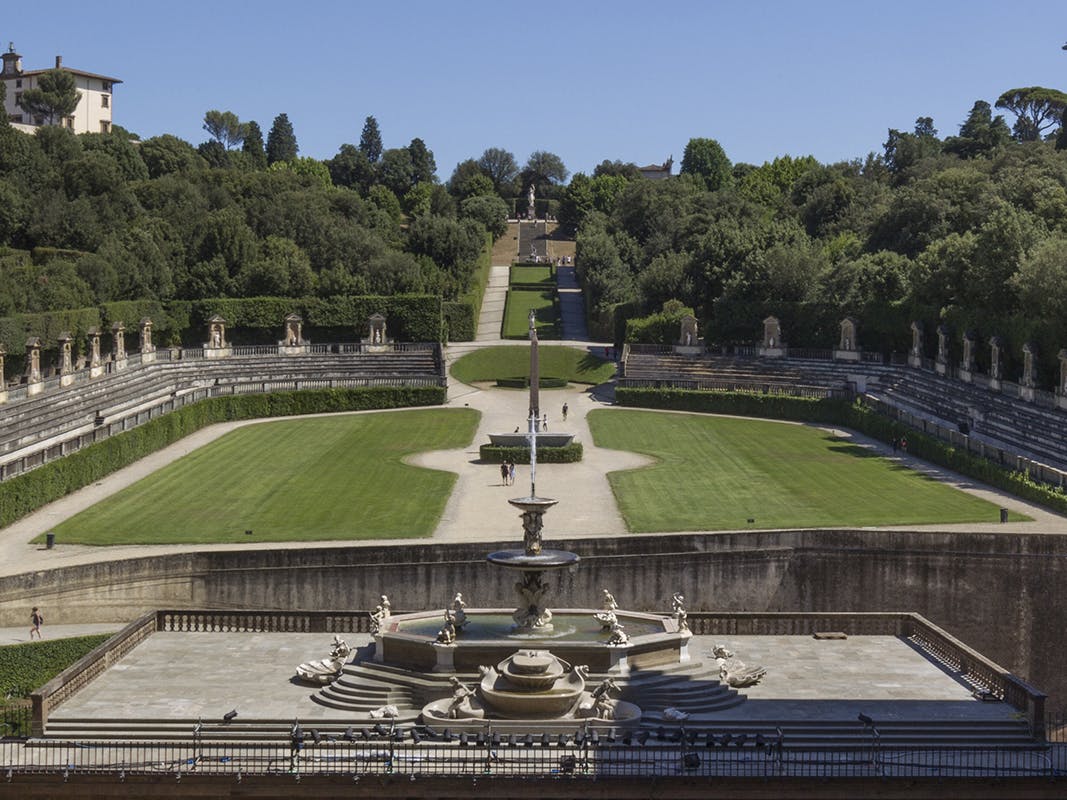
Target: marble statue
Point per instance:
(460, 704)
(607, 619)
(459, 616)
(618, 636)
(532, 614)
(383, 601)
(327, 669)
(377, 618)
(733, 671)
(447, 634)
(599, 703)
(680, 614)
(607, 600)
(385, 712)
(675, 714)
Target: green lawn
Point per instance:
(337, 477)
(493, 363)
(716, 473)
(517, 314)
(529, 275)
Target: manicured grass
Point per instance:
(517, 314)
(338, 477)
(494, 363)
(716, 473)
(529, 275)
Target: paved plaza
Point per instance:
(175, 676)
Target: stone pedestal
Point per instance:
(772, 345)
(915, 355)
(96, 364)
(445, 660)
(292, 342)
(32, 377)
(216, 345)
(848, 346)
(66, 362)
(148, 350)
(847, 355)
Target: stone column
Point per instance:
(32, 378)
(148, 350)
(96, 367)
(848, 348)
(1028, 384)
(772, 345)
(66, 362)
(967, 367)
(915, 355)
(996, 366)
(118, 345)
(943, 334)
(3, 379)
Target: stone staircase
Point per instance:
(532, 240)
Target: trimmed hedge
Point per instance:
(856, 416)
(524, 383)
(26, 493)
(461, 316)
(568, 454)
(28, 666)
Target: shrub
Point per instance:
(568, 454)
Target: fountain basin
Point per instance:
(523, 439)
(408, 640)
(545, 560)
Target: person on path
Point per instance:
(564, 412)
(37, 620)
(503, 473)
(544, 423)
(511, 472)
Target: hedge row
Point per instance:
(568, 454)
(858, 417)
(28, 492)
(524, 383)
(461, 316)
(25, 667)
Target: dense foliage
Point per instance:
(969, 229)
(567, 454)
(97, 218)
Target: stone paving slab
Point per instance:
(174, 676)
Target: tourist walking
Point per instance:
(36, 620)
(544, 423)
(564, 412)
(503, 473)
(511, 472)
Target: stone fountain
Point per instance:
(533, 668)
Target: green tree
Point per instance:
(351, 168)
(396, 170)
(489, 210)
(224, 127)
(168, 154)
(468, 180)
(705, 159)
(625, 169)
(905, 150)
(281, 270)
(1036, 108)
(981, 134)
(542, 170)
(370, 141)
(3, 103)
(502, 169)
(309, 167)
(424, 168)
(253, 145)
(281, 141)
(576, 202)
(55, 96)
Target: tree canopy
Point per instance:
(370, 141)
(281, 141)
(224, 127)
(54, 97)
(1037, 109)
(705, 159)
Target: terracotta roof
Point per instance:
(30, 72)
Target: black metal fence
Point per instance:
(693, 754)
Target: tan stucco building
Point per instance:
(94, 111)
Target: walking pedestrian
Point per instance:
(564, 412)
(503, 473)
(37, 620)
(544, 423)
(511, 472)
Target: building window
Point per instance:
(105, 126)
(18, 98)
(105, 101)
(18, 83)
(107, 86)
(16, 118)
(68, 122)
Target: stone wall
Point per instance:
(996, 593)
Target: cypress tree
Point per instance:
(370, 142)
(281, 141)
(253, 144)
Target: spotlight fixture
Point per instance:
(691, 761)
(546, 740)
(463, 739)
(349, 734)
(229, 715)
(316, 736)
(867, 721)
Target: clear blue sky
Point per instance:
(586, 80)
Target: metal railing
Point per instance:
(606, 753)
